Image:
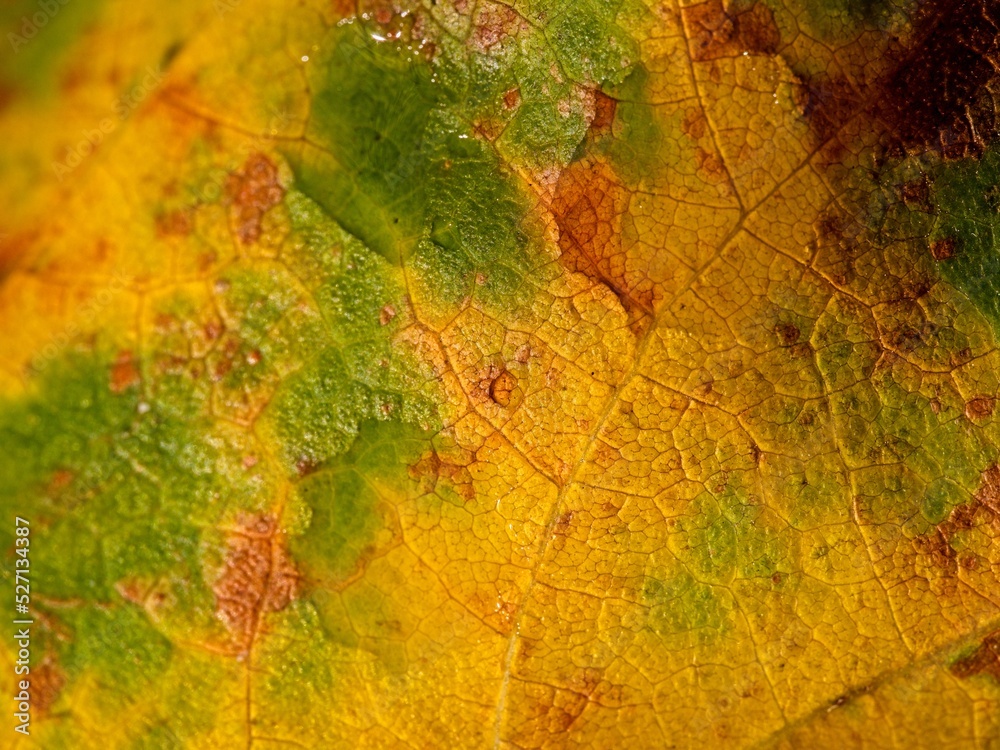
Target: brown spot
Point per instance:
(936, 546)
(7, 95)
(984, 660)
(992, 198)
(488, 130)
(904, 339)
(73, 78)
(343, 8)
(588, 207)
(916, 194)
(943, 249)
(47, 681)
(984, 508)
(13, 247)
(605, 108)
(502, 388)
(915, 290)
(968, 561)
(787, 333)
(827, 103)
(988, 494)
(710, 164)
(979, 408)
(931, 98)
(493, 25)
(506, 613)
(386, 315)
(715, 32)
(124, 373)
(523, 354)
(258, 577)
(563, 523)
(213, 329)
(177, 223)
(132, 590)
(802, 350)
(252, 192)
(221, 368)
(60, 480)
(306, 465)
(694, 124)
(512, 98)
(433, 468)
(963, 517)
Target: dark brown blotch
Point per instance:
(935, 96)
(944, 249)
(984, 660)
(716, 32)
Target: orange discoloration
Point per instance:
(432, 467)
(694, 124)
(343, 8)
(47, 681)
(60, 480)
(588, 206)
(605, 108)
(258, 577)
(15, 247)
(177, 223)
(502, 388)
(252, 192)
(124, 372)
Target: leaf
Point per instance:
(502, 374)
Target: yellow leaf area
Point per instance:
(524, 374)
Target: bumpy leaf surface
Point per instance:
(502, 373)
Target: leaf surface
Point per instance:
(503, 374)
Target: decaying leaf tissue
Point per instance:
(500, 374)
